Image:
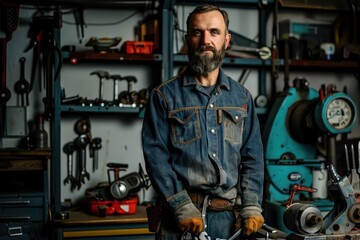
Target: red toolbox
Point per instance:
(106, 208)
(138, 47)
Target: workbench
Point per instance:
(81, 225)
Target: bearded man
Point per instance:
(201, 141)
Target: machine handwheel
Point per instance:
(354, 213)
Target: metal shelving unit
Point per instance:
(264, 9)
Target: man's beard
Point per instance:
(204, 64)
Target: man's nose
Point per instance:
(206, 38)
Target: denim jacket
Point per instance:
(201, 143)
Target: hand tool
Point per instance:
(69, 149)
(102, 75)
(143, 96)
(47, 55)
(264, 53)
(95, 145)
(355, 179)
(44, 46)
(81, 142)
(80, 22)
(9, 20)
(269, 228)
(116, 78)
(129, 96)
(347, 160)
(22, 87)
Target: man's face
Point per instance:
(207, 40)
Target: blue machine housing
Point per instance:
(290, 159)
(279, 145)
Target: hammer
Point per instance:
(116, 78)
(101, 75)
(128, 96)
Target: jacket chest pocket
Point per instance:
(185, 126)
(234, 124)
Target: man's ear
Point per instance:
(227, 40)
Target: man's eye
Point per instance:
(196, 33)
(214, 32)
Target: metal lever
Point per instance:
(355, 179)
(263, 52)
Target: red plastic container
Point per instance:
(106, 208)
(139, 47)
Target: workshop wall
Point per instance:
(121, 133)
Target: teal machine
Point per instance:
(300, 140)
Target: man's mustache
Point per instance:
(204, 48)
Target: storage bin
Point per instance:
(139, 47)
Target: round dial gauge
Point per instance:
(339, 113)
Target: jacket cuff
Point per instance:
(179, 199)
(250, 211)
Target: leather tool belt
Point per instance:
(215, 203)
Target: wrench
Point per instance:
(69, 149)
(81, 142)
(22, 87)
(95, 146)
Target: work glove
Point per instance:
(250, 219)
(188, 218)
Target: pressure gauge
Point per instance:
(336, 114)
(339, 113)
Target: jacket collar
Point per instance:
(189, 79)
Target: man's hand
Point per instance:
(252, 224)
(188, 218)
(250, 219)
